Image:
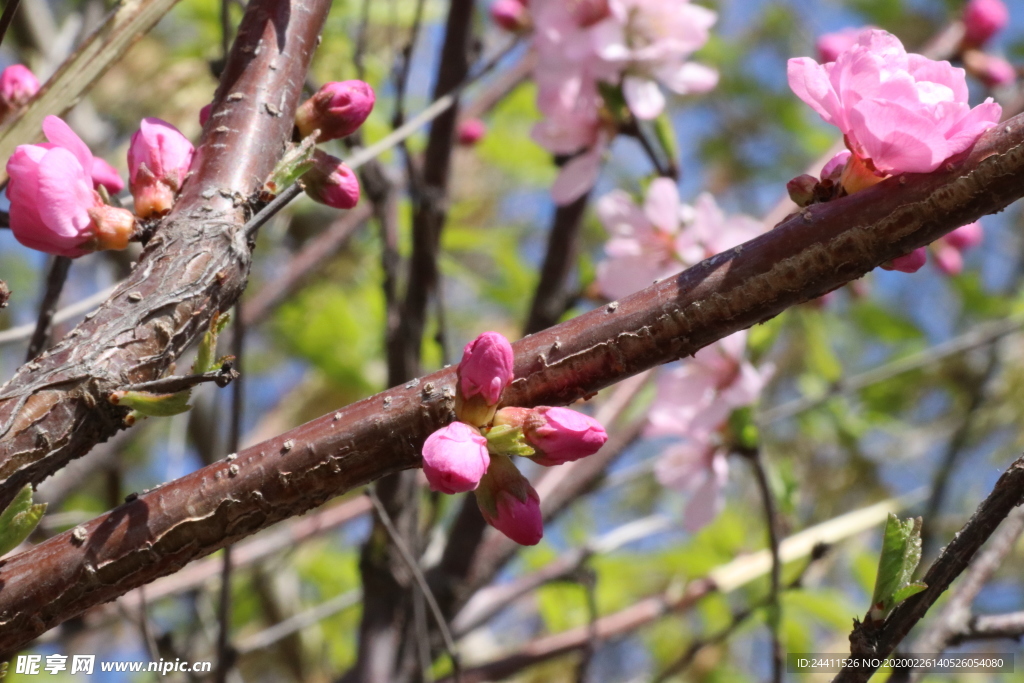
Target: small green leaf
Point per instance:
(666, 135)
(296, 161)
(208, 346)
(508, 440)
(901, 553)
(153, 405)
(19, 519)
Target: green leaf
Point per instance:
(153, 405)
(908, 591)
(208, 346)
(901, 553)
(19, 519)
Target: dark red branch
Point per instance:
(55, 409)
(801, 259)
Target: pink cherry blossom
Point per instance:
(54, 207)
(983, 19)
(337, 110)
(696, 396)
(651, 41)
(909, 263)
(509, 504)
(159, 158)
(471, 131)
(898, 112)
(455, 458)
(948, 250)
(331, 182)
(700, 469)
(711, 231)
(17, 86)
(486, 367)
(100, 172)
(965, 237)
(561, 435)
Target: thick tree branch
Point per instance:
(804, 257)
(55, 409)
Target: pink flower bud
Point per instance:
(158, 161)
(54, 207)
(17, 86)
(455, 458)
(991, 70)
(204, 114)
(833, 168)
(561, 435)
(511, 15)
(983, 19)
(801, 189)
(331, 182)
(470, 131)
(337, 110)
(831, 45)
(908, 263)
(966, 236)
(484, 372)
(509, 504)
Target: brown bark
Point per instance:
(55, 408)
(804, 257)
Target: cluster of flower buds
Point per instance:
(475, 453)
(17, 86)
(337, 110)
(59, 192)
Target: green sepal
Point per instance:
(293, 165)
(208, 346)
(666, 136)
(19, 520)
(153, 405)
(508, 440)
(901, 553)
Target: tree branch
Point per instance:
(55, 409)
(806, 256)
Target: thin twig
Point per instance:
(225, 654)
(421, 581)
(360, 48)
(176, 383)
(992, 626)
(755, 457)
(55, 280)
(587, 578)
(273, 634)
(7, 17)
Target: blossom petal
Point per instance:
(643, 97)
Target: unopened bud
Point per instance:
(331, 182)
(511, 15)
(509, 504)
(113, 227)
(801, 189)
(337, 110)
(17, 86)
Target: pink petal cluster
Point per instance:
(898, 112)
(17, 86)
(455, 458)
(54, 205)
(983, 19)
(331, 182)
(947, 250)
(662, 237)
(694, 401)
(638, 45)
(473, 453)
(159, 158)
(337, 110)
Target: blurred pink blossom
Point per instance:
(898, 112)
(700, 469)
(471, 131)
(909, 263)
(696, 396)
(159, 158)
(455, 458)
(17, 86)
(661, 238)
(983, 19)
(511, 15)
(991, 70)
(949, 249)
(651, 41)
